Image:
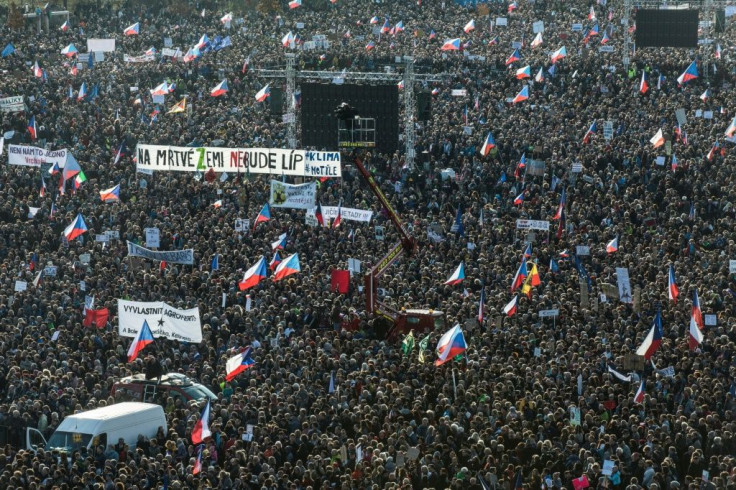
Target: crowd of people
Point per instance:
(531, 403)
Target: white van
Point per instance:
(101, 426)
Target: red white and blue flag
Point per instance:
(133, 30)
(198, 462)
(515, 56)
(264, 93)
(482, 305)
(612, 246)
(695, 335)
(653, 339)
(32, 128)
(510, 308)
(458, 276)
(451, 344)
(469, 27)
(110, 195)
(690, 73)
(263, 216)
(220, 89)
(559, 54)
(280, 243)
(69, 51)
(561, 206)
(451, 45)
(488, 145)
(239, 363)
(201, 430)
(524, 72)
(254, 275)
(275, 261)
(643, 85)
(522, 95)
(521, 274)
(591, 131)
(519, 200)
(76, 228)
(639, 396)
(289, 266)
(672, 290)
(142, 339)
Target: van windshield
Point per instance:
(199, 392)
(70, 441)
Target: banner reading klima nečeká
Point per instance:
(270, 161)
(172, 256)
(285, 195)
(31, 156)
(163, 320)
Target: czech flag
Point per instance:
(65, 26)
(731, 128)
(672, 290)
(133, 30)
(612, 246)
(318, 214)
(280, 243)
(295, 4)
(689, 74)
(510, 308)
(111, 195)
(37, 72)
(399, 27)
(69, 51)
(481, 305)
(226, 18)
(696, 323)
(593, 31)
(162, 89)
(561, 206)
(537, 40)
(263, 216)
(488, 145)
(451, 45)
(525, 72)
(559, 54)
(198, 463)
(338, 219)
(652, 340)
(150, 51)
(704, 96)
(370, 45)
(712, 151)
(718, 52)
(451, 344)
(385, 27)
(539, 77)
(254, 275)
(522, 95)
(469, 27)
(521, 274)
(32, 127)
(287, 39)
(639, 396)
(264, 93)
(375, 20)
(400, 85)
(658, 139)
(275, 261)
(643, 85)
(591, 130)
(82, 91)
(238, 363)
(220, 89)
(458, 276)
(515, 56)
(76, 228)
(142, 339)
(605, 38)
(674, 162)
(512, 6)
(591, 14)
(42, 192)
(201, 430)
(435, 91)
(494, 41)
(519, 200)
(528, 251)
(289, 266)
(203, 42)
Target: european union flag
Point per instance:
(9, 49)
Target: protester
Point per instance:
(326, 404)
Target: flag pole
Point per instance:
(454, 384)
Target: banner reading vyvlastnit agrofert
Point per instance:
(163, 320)
(271, 161)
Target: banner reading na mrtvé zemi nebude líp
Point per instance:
(270, 161)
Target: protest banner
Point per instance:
(12, 104)
(163, 320)
(532, 224)
(31, 156)
(270, 161)
(624, 286)
(349, 214)
(172, 256)
(144, 58)
(285, 195)
(100, 45)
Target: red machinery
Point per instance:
(390, 323)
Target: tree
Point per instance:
(15, 17)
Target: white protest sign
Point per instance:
(270, 161)
(502, 21)
(624, 286)
(459, 92)
(582, 250)
(531, 224)
(301, 196)
(710, 320)
(102, 45)
(242, 224)
(549, 313)
(31, 156)
(144, 58)
(163, 320)
(12, 104)
(153, 239)
(354, 266)
(538, 26)
(20, 286)
(348, 214)
(172, 256)
(102, 238)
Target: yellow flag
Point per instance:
(527, 287)
(180, 106)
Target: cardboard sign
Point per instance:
(153, 238)
(20, 286)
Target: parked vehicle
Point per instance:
(101, 426)
(175, 385)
